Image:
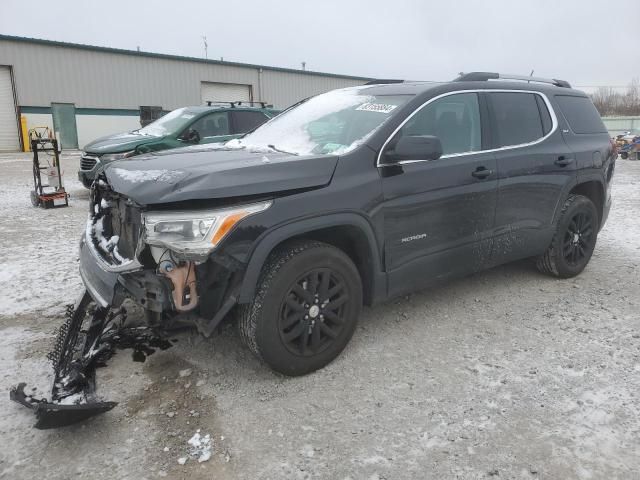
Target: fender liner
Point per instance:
(579, 180)
(270, 239)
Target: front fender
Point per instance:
(271, 238)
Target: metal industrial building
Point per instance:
(83, 92)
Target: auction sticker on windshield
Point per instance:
(376, 107)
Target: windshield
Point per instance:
(332, 123)
(174, 121)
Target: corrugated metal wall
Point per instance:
(46, 73)
(284, 88)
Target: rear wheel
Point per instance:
(306, 308)
(574, 239)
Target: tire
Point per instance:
(574, 239)
(624, 155)
(286, 325)
(35, 199)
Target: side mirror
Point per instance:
(415, 147)
(191, 136)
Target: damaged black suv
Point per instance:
(350, 198)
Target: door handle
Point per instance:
(481, 172)
(563, 161)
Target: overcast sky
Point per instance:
(587, 42)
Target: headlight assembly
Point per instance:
(195, 233)
(117, 156)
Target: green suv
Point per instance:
(215, 122)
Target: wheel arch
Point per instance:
(594, 191)
(350, 232)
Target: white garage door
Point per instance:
(9, 140)
(225, 92)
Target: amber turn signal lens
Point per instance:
(227, 224)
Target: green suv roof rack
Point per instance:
(238, 103)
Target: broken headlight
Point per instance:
(195, 233)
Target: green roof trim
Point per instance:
(121, 51)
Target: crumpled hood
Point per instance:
(121, 142)
(208, 174)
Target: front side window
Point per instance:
(329, 124)
(212, 125)
(454, 119)
(517, 118)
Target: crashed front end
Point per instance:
(161, 259)
(164, 261)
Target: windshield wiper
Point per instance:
(273, 147)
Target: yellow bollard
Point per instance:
(26, 143)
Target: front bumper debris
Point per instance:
(54, 415)
(85, 342)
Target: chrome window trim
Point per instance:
(552, 113)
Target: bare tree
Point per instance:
(609, 102)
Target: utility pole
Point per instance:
(204, 40)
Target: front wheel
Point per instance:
(574, 240)
(306, 308)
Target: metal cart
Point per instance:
(52, 194)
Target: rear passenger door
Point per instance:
(535, 167)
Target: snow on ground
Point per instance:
(506, 374)
(39, 248)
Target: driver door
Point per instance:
(439, 214)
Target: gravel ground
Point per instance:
(506, 374)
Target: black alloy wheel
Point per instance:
(575, 237)
(312, 313)
(578, 238)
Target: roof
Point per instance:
(81, 46)
(404, 88)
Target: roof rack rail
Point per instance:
(383, 81)
(485, 76)
(238, 103)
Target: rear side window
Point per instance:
(247, 121)
(517, 118)
(581, 114)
